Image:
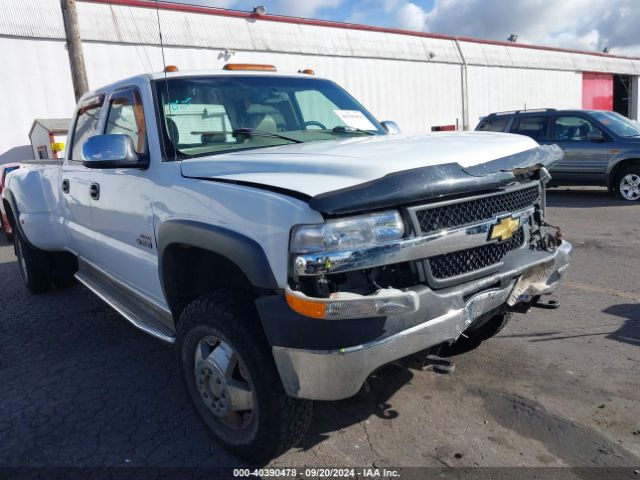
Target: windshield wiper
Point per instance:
(249, 132)
(347, 129)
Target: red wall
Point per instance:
(597, 91)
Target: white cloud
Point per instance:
(568, 24)
(305, 8)
(411, 17)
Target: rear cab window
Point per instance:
(534, 126)
(494, 124)
(86, 125)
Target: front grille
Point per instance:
(472, 211)
(464, 261)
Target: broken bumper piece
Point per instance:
(339, 373)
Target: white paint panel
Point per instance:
(498, 89)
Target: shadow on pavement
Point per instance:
(372, 400)
(629, 332)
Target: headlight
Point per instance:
(347, 233)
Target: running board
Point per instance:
(144, 315)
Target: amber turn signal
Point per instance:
(305, 307)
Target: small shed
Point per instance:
(48, 137)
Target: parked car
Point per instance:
(4, 222)
(600, 147)
(287, 243)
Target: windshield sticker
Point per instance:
(355, 119)
(180, 103)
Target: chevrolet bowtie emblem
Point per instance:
(504, 228)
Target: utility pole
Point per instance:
(74, 47)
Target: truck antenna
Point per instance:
(166, 83)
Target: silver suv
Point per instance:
(600, 147)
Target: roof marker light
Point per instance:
(170, 68)
(249, 66)
(307, 71)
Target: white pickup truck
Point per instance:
(286, 241)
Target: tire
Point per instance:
(34, 265)
(627, 183)
(474, 337)
(64, 266)
(221, 332)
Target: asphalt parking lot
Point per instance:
(79, 386)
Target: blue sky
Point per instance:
(576, 24)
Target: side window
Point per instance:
(86, 125)
(126, 116)
(574, 129)
(534, 127)
(494, 124)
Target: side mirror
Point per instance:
(112, 150)
(391, 127)
(596, 137)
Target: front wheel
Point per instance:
(230, 375)
(627, 185)
(34, 265)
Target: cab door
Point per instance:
(75, 181)
(582, 154)
(122, 202)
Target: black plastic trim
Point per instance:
(244, 252)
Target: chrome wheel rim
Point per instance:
(630, 186)
(23, 262)
(223, 383)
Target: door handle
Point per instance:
(65, 186)
(94, 191)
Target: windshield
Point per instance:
(208, 115)
(618, 124)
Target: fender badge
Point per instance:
(504, 228)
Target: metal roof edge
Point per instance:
(162, 5)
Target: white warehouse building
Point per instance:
(422, 81)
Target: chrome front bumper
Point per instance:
(340, 373)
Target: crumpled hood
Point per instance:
(326, 166)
